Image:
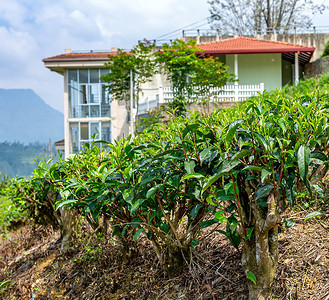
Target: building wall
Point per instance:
(119, 116)
(286, 72)
(317, 68)
(258, 68)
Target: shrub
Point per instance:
(326, 50)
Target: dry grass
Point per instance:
(36, 268)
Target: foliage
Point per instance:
(17, 159)
(10, 215)
(252, 17)
(4, 182)
(183, 63)
(326, 50)
(240, 168)
(137, 62)
(36, 195)
(190, 72)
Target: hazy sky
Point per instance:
(31, 30)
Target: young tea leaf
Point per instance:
(289, 222)
(252, 277)
(249, 233)
(137, 234)
(303, 158)
(264, 191)
(314, 214)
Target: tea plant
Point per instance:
(241, 167)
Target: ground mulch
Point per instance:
(92, 267)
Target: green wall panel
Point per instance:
(257, 68)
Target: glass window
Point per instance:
(94, 93)
(106, 131)
(74, 138)
(86, 95)
(72, 77)
(83, 76)
(84, 131)
(84, 111)
(105, 95)
(83, 93)
(94, 76)
(94, 129)
(103, 72)
(94, 111)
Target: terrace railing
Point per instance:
(228, 93)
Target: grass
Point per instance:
(10, 215)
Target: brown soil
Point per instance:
(92, 268)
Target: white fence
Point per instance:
(228, 93)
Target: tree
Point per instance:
(182, 62)
(326, 50)
(137, 63)
(190, 72)
(248, 17)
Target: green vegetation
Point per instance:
(10, 214)
(17, 159)
(326, 50)
(237, 169)
(183, 64)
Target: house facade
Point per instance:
(89, 111)
(253, 61)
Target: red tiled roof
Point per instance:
(60, 143)
(246, 45)
(81, 56)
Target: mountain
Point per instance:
(26, 118)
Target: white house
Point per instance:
(88, 109)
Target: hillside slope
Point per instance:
(26, 118)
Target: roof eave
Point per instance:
(74, 59)
(263, 51)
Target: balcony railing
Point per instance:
(228, 93)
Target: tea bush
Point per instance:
(240, 167)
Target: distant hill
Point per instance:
(26, 118)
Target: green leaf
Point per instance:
(107, 174)
(137, 234)
(219, 216)
(318, 189)
(232, 129)
(205, 154)
(289, 222)
(66, 202)
(153, 190)
(303, 158)
(264, 191)
(253, 168)
(249, 233)
(240, 154)
(251, 276)
(193, 175)
(291, 189)
(282, 124)
(319, 157)
(4, 283)
(136, 205)
(264, 175)
(314, 214)
(195, 210)
(189, 166)
(262, 140)
(207, 223)
(195, 242)
(225, 168)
